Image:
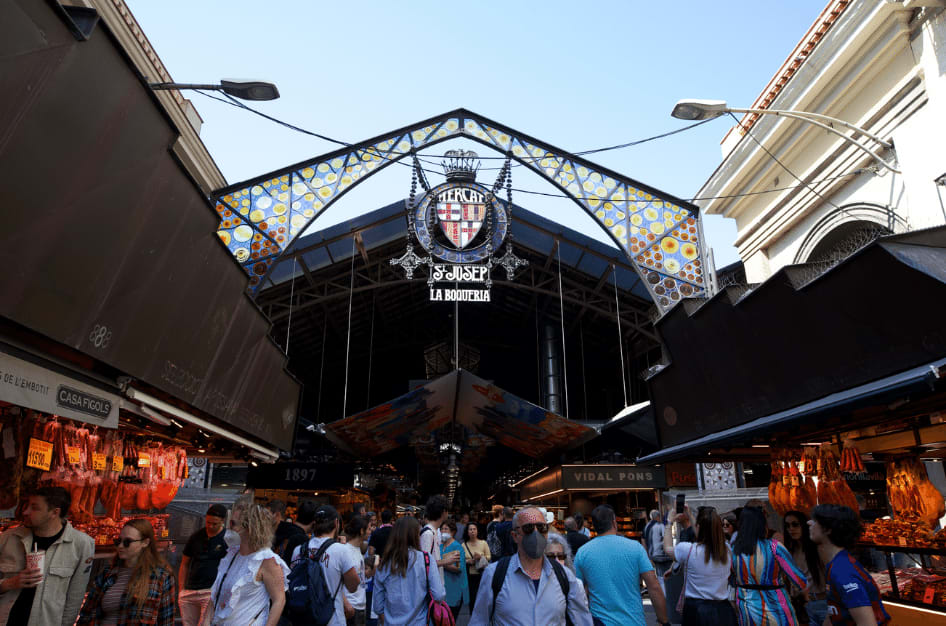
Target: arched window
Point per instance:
(844, 231)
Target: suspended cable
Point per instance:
(351, 295)
(370, 352)
(617, 309)
(561, 308)
(784, 167)
(227, 99)
(318, 408)
(292, 291)
(584, 379)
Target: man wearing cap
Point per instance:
(338, 564)
(198, 571)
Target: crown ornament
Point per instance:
(460, 165)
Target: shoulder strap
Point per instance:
(499, 577)
(426, 570)
(322, 548)
(562, 580)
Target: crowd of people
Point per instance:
(252, 566)
(738, 570)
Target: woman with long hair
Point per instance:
(706, 563)
(477, 555)
(137, 587)
(454, 574)
(730, 526)
(403, 578)
(853, 595)
(758, 564)
(805, 553)
(250, 589)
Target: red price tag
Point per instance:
(929, 595)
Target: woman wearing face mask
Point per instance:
(250, 589)
(477, 558)
(454, 574)
(805, 553)
(136, 588)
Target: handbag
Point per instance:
(683, 591)
(438, 613)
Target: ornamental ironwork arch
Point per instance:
(659, 233)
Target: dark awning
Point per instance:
(457, 409)
(108, 246)
(801, 342)
(892, 387)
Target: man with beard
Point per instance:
(52, 593)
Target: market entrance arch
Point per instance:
(660, 234)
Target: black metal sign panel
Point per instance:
(590, 477)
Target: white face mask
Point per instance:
(447, 537)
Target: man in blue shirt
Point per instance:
(612, 567)
(531, 594)
(853, 596)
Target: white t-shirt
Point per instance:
(337, 560)
(357, 598)
(430, 542)
(706, 581)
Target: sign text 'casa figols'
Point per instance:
(461, 225)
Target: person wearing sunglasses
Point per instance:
(612, 567)
(137, 587)
(805, 553)
(528, 589)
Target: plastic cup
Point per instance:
(36, 559)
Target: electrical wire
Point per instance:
(234, 102)
(784, 167)
(228, 99)
(737, 195)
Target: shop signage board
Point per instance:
(588, 477)
(29, 385)
(301, 476)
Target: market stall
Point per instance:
(112, 474)
(631, 489)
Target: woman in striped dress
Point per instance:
(759, 566)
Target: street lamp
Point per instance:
(244, 89)
(694, 110)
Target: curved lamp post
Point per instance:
(243, 89)
(707, 109)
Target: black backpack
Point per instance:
(308, 600)
(499, 578)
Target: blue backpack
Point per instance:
(308, 600)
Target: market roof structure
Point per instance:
(659, 233)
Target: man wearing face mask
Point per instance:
(527, 589)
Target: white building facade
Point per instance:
(804, 194)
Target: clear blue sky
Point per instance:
(577, 75)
